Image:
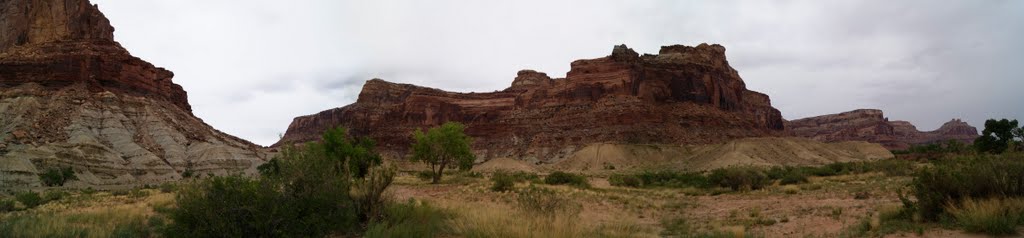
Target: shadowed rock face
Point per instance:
(872, 126)
(72, 96)
(681, 95)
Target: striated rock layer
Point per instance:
(683, 95)
(72, 96)
(872, 126)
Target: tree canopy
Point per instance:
(998, 136)
(443, 147)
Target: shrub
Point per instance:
(545, 202)
(53, 195)
(29, 199)
(168, 187)
(560, 178)
(410, 219)
(6, 205)
(673, 179)
(369, 191)
(739, 178)
(503, 181)
(625, 181)
(990, 216)
(57, 177)
(980, 177)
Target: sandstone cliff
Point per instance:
(683, 95)
(872, 126)
(72, 96)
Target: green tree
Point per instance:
(443, 147)
(997, 136)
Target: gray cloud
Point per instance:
(250, 67)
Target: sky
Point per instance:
(252, 66)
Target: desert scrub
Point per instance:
(989, 216)
(889, 220)
(560, 178)
(29, 199)
(976, 177)
(545, 202)
(411, 219)
(623, 180)
(6, 205)
(503, 181)
(739, 178)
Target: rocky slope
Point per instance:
(681, 95)
(72, 96)
(871, 125)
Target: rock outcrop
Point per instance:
(683, 95)
(872, 126)
(72, 96)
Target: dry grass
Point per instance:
(84, 215)
(989, 216)
(497, 220)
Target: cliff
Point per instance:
(872, 126)
(683, 95)
(71, 96)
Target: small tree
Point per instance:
(997, 136)
(443, 147)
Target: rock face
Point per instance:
(871, 125)
(72, 96)
(683, 95)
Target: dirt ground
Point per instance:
(824, 207)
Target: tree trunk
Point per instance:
(439, 172)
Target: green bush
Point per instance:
(503, 181)
(979, 177)
(57, 177)
(545, 202)
(560, 178)
(29, 199)
(625, 181)
(410, 220)
(673, 179)
(6, 205)
(369, 191)
(54, 195)
(739, 178)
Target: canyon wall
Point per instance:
(71, 96)
(683, 95)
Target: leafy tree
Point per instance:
(997, 136)
(357, 154)
(443, 147)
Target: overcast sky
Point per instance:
(251, 66)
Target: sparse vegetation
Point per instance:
(442, 147)
(29, 199)
(503, 181)
(739, 178)
(7, 205)
(544, 202)
(411, 219)
(975, 177)
(563, 178)
(990, 216)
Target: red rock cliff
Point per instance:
(56, 43)
(70, 96)
(872, 126)
(681, 95)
